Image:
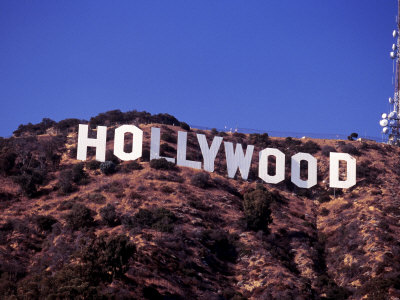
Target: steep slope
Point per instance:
(158, 231)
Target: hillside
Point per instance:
(80, 230)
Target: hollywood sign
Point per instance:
(236, 158)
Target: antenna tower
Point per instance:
(391, 121)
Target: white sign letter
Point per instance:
(181, 155)
(237, 159)
(209, 154)
(279, 165)
(119, 142)
(155, 145)
(334, 181)
(312, 170)
(99, 142)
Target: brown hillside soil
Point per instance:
(321, 244)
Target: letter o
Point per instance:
(279, 166)
(119, 139)
(312, 170)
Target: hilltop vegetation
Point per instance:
(153, 230)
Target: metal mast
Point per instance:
(391, 121)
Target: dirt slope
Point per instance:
(62, 224)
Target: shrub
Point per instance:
(168, 137)
(109, 215)
(135, 195)
(167, 189)
(111, 157)
(80, 217)
(29, 180)
(162, 164)
(66, 124)
(65, 182)
(350, 149)
(201, 180)
(145, 155)
(239, 135)
(377, 288)
(160, 219)
(326, 150)
(7, 162)
(198, 204)
(324, 212)
(27, 185)
(131, 166)
(65, 205)
(107, 167)
(366, 171)
(78, 174)
(97, 198)
(184, 126)
(324, 197)
(36, 129)
(261, 140)
(72, 152)
(93, 165)
(257, 211)
(214, 131)
(221, 243)
(290, 142)
(45, 223)
(310, 147)
(166, 148)
(106, 257)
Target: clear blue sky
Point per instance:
(305, 66)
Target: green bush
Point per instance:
(309, 147)
(257, 211)
(29, 180)
(7, 162)
(261, 140)
(131, 166)
(45, 223)
(107, 167)
(106, 257)
(201, 180)
(160, 219)
(145, 155)
(80, 217)
(184, 126)
(167, 189)
(97, 198)
(93, 165)
(214, 131)
(323, 197)
(377, 288)
(109, 215)
(221, 243)
(326, 150)
(78, 174)
(350, 149)
(66, 182)
(324, 212)
(168, 137)
(162, 164)
(166, 148)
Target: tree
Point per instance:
(257, 211)
(352, 136)
(80, 217)
(109, 215)
(107, 257)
